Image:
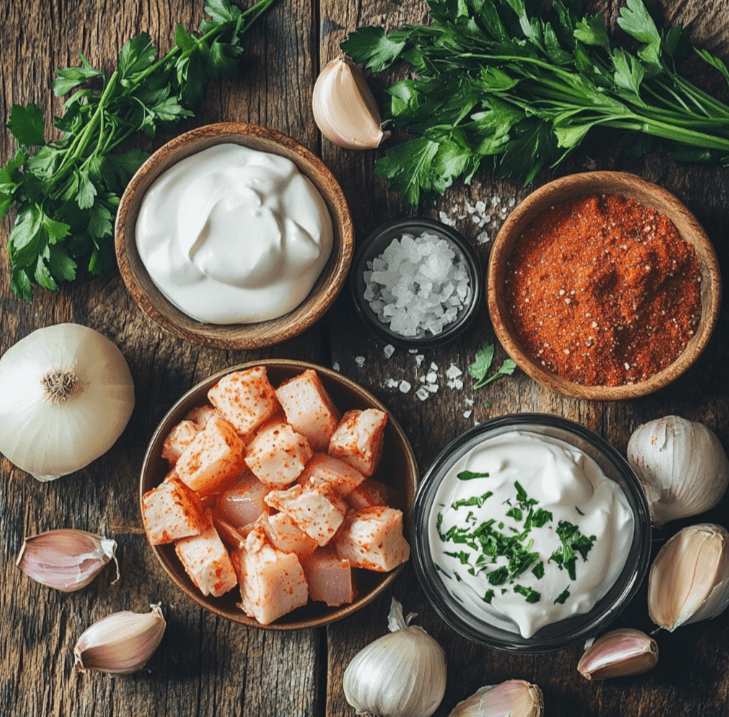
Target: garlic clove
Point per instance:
(619, 653)
(402, 674)
(344, 107)
(689, 579)
(120, 643)
(681, 465)
(66, 559)
(515, 698)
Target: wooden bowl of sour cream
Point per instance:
(549, 317)
(162, 300)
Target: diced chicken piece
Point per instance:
(309, 408)
(171, 511)
(277, 454)
(214, 457)
(245, 398)
(323, 469)
(329, 577)
(369, 492)
(206, 560)
(201, 415)
(228, 534)
(272, 583)
(179, 438)
(243, 502)
(372, 538)
(317, 510)
(285, 535)
(358, 439)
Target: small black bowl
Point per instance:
(377, 242)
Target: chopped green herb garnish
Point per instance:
(530, 594)
(488, 597)
(541, 517)
(477, 500)
(573, 542)
(461, 555)
(470, 475)
(440, 570)
(514, 513)
(562, 598)
(498, 576)
(539, 570)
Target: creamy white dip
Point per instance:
(233, 235)
(537, 475)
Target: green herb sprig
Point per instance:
(66, 191)
(505, 85)
(479, 369)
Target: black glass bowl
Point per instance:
(377, 242)
(567, 631)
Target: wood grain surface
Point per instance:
(206, 665)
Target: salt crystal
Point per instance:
(359, 360)
(391, 383)
(480, 206)
(422, 393)
(469, 402)
(419, 358)
(432, 387)
(433, 366)
(475, 219)
(495, 200)
(512, 202)
(335, 366)
(431, 377)
(404, 386)
(388, 350)
(487, 219)
(483, 237)
(453, 371)
(455, 383)
(467, 414)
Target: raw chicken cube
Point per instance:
(179, 438)
(329, 577)
(285, 535)
(171, 511)
(317, 510)
(369, 492)
(201, 415)
(308, 408)
(214, 457)
(206, 560)
(277, 454)
(245, 398)
(242, 503)
(358, 439)
(373, 538)
(272, 583)
(323, 469)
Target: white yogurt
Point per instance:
(233, 235)
(562, 480)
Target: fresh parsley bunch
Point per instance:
(499, 83)
(67, 191)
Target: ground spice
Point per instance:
(603, 291)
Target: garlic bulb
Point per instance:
(120, 643)
(344, 108)
(681, 465)
(402, 674)
(66, 560)
(66, 395)
(513, 698)
(689, 579)
(618, 654)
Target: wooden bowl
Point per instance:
(397, 469)
(234, 336)
(645, 193)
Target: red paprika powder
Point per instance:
(603, 291)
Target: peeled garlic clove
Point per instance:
(402, 674)
(689, 579)
(619, 653)
(515, 698)
(66, 559)
(344, 108)
(681, 465)
(120, 643)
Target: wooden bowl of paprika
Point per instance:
(603, 286)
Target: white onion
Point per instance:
(48, 428)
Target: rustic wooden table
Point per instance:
(206, 666)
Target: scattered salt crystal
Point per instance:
(359, 360)
(335, 366)
(480, 206)
(422, 393)
(431, 377)
(419, 358)
(421, 379)
(453, 371)
(433, 366)
(432, 387)
(467, 414)
(388, 350)
(495, 200)
(404, 386)
(487, 219)
(512, 202)
(455, 383)
(469, 402)
(391, 383)
(413, 351)
(483, 237)
(446, 219)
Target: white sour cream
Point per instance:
(233, 235)
(562, 480)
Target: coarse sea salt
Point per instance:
(418, 285)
